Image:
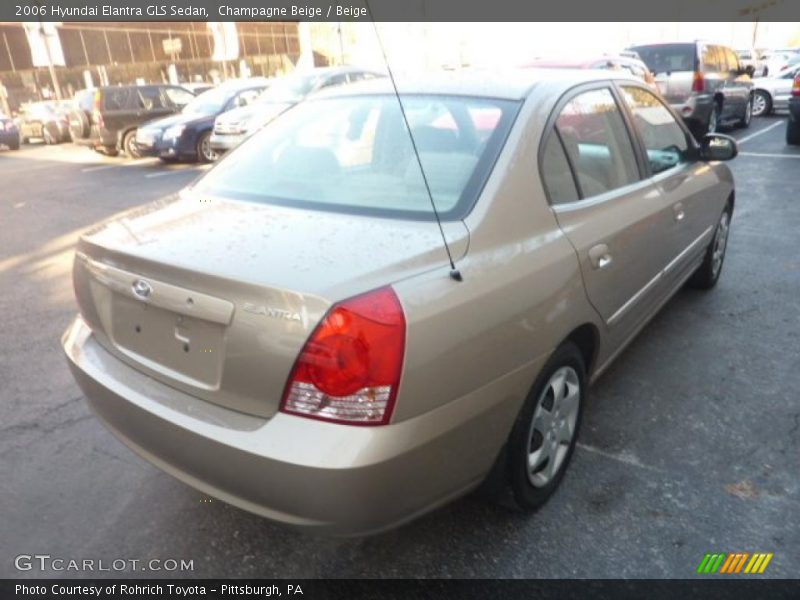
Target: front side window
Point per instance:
(596, 140)
(178, 96)
(150, 98)
(354, 155)
(664, 140)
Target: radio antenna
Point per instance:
(455, 274)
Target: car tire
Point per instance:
(108, 150)
(746, 119)
(129, 144)
(793, 133)
(762, 103)
(14, 145)
(544, 435)
(48, 138)
(205, 154)
(708, 272)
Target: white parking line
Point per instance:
(171, 172)
(747, 138)
(625, 457)
(767, 155)
(130, 163)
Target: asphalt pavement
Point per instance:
(691, 440)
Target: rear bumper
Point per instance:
(337, 479)
(696, 108)
(794, 108)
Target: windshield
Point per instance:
(208, 103)
(667, 58)
(289, 89)
(354, 155)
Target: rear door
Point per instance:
(685, 184)
(611, 212)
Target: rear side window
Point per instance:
(556, 173)
(732, 61)
(116, 98)
(713, 59)
(664, 140)
(597, 143)
(668, 58)
(354, 155)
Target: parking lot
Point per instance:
(691, 441)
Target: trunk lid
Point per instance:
(217, 298)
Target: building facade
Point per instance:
(130, 52)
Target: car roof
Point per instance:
(511, 84)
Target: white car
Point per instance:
(752, 58)
(773, 93)
(775, 62)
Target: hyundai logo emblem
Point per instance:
(142, 289)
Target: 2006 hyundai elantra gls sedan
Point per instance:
(287, 333)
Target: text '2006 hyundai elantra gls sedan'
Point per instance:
(288, 335)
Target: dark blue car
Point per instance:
(185, 136)
(9, 133)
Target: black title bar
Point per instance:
(400, 10)
(730, 588)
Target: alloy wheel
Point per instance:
(553, 426)
(759, 104)
(207, 154)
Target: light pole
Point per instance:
(43, 33)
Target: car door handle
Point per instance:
(600, 257)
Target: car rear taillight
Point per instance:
(698, 82)
(349, 369)
(796, 86)
(97, 106)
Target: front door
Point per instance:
(616, 219)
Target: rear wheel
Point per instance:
(48, 137)
(204, 151)
(707, 274)
(762, 103)
(744, 122)
(793, 133)
(129, 144)
(14, 145)
(545, 433)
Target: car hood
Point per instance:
(330, 255)
(187, 119)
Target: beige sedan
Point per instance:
(287, 334)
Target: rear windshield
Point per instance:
(354, 155)
(667, 58)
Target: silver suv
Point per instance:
(705, 83)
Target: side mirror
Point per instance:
(716, 146)
(749, 70)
